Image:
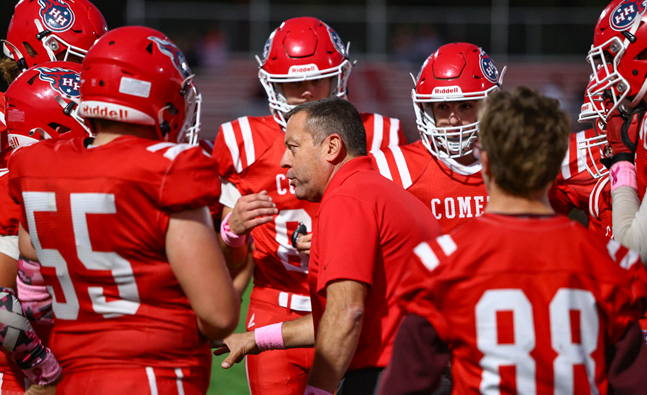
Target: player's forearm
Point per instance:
(335, 346)
(20, 341)
(630, 220)
(235, 257)
(242, 275)
(299, 333)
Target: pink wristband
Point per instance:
(46, 372)
(230, 238)
(623, 174)
(310, 390)
(270, 337)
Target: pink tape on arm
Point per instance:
(310, 390)
(623, 174)
(270, 337)
(230, 238)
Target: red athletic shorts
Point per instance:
(12, 380)
(137, 380)
(277, 372)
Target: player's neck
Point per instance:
(504, 203)
(106, 132)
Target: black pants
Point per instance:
(360, 382)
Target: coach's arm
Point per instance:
(338, 335)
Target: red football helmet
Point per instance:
(55, 29)
(455, 72)
(302, 49)
(135, 74)
(619, 40)
(42, 103)
(593, 110)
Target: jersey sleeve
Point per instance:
(191, 179)
(626, 297)
(348, 241)
(418, 287)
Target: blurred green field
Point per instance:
(232, 381)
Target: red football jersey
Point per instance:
(4, 138)
(600, 216)
(452, 197)
(249, 152)
(530, 306)
(10, 212)
(98, 218)
(574, 182)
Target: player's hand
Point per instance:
(251, 211)
(622, 132)
(303, 243)
(50, 389)
(237, 345)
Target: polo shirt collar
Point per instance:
(363, 163)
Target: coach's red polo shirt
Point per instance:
(366, 230)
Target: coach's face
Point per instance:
(308, 169)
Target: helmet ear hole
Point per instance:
(149, 48)
(165, 128)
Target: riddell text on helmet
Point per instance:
(103, 112)
(447, 90)
(306, 68)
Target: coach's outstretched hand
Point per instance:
(237, 345)
(251, 211)
(35, 389)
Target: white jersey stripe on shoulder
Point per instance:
(230, 140)
(378, 132)
(613, 247)
(402, 166)
(152, 383)
(180, 385)
(581, 165)
(2, 118)
(394, 139)
(173, 152)
(2, 173)
(159, 146)
(427, 256)
(248, 139)
(382, 164)
(447, 244)
(566, 170)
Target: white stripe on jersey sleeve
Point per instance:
(613, 247)
(180, 386)
(447, 244)
(581, 165)
(566, 170)
(402, 166)
(382, 164)
(2, 119)
(152, 383)
(394, 139)
(230, 140)
(629, 260)
(599, 187)
(378, 132)
(248, 140)
(426, 256)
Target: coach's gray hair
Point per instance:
(334, 115)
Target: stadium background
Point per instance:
(542, 42)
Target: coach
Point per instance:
(365, 229)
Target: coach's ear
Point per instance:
(334, 150)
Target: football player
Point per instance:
(120, 227)
(513, 296)
(43, 104)
(440, 169)
(46, 31)
(304, 60)
(619, 47)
